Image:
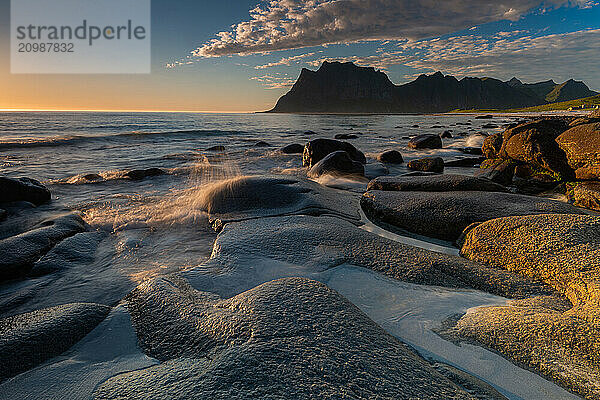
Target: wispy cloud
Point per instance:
(293, 24)
(275, 81)
(287, 60)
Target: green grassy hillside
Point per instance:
(588, 102)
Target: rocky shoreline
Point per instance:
(258, 318)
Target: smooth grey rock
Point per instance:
(373, 170)
(336, 164)
(345, 136)
(318, 149)
(27, 340)
(20, 252)
(289, 338)
(23, 189)
(262, 144)
(427, 164)
(434, 183)
(139, 174)
(444, 215)
(425, 142)
(260, 196)
(249, 253)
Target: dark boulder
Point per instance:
(446, 135)
(535, 143)
(23, 189)
(499, 171)
(318, 149)
(490, 126)
(476, 151)
(337, 163)
(27, 340)
(434, 183)
(427, 164)
(139, 174)
(293, 148)
(492, 146)
(582, 147)
(218, 148)
(92, 177)
(425, 142)
(262, 144)
(444, 215)
(391, 157)
(346, 136)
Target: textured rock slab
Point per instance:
(261, 196)
(587, 195)
(20, 252)
(564, 251)
(252, 252)
(428, 164)
(290, 338)
(444, 215)
(425, 142)
(434, 183)
(27, 340)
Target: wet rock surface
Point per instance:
(444, 215)
(319, 343)
(336, 164)
(582, 147)
(391, 157)
(27, 340)
(587, 195)
(427, 164)
(23, 189)
(261, 196)
(294, 148)
(425, 142)
(434, 183)
(317, 149)
(563, 250)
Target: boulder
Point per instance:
(446, 135)
(293, 148)
(492, 146)
(476, 151)
(21, 251)
(434, 183)
(23, 189)
(563, 343)
(139, 174)
(427, 164)
(27, 340)
(390, 157)
(346, 136)
(373, 170)
(318, 149)
(582, 147)
(262, 144)
(489, 126)
(444, 215)
(498, 170)
(587, 195)
(535, 143)
(218, 148)
(289, 338)
(425, 142)
(261, 196)
(336, 164)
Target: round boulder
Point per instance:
(425, 142)
(293, 148)
(390, 157)
(318, 149)
(337, 163)
(428, 164)
(23, 189)
(582, 147)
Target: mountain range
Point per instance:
(346, 88)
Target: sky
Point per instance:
(242, 55)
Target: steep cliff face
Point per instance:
(346, 88)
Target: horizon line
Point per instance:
(123, 111)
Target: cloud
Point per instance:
(294, 24)
(563, 56)
(274, 81)
(287, 60)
